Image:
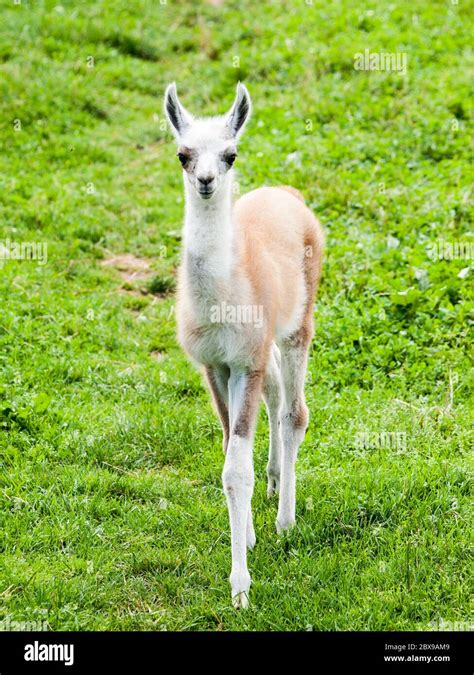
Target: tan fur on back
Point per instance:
(279, 236)
(292, 191)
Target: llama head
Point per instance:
(207, 147)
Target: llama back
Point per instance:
(296, 193)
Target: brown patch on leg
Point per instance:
(301, 338)
(219, 403)
(294, 351)
(248, 411)
(299, 415)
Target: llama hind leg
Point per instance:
(272, 394)
(294, 420)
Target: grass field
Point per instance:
(111, 508)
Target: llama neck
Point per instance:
(208, 233)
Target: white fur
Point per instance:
(237, 479)
(293, 371)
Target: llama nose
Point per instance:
(205, 180)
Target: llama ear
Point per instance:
(177, 115)
(240, 111)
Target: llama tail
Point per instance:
(293, 191)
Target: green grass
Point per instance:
(111, 508)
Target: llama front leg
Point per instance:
(294, 421)
(238, 476)
(218, 380)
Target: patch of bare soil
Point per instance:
(130, 267)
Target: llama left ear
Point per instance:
(238, 115)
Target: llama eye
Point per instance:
(230, 158)
(182, 158)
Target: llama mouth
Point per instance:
(206, 194)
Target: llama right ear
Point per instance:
(177, 115)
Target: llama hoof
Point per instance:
(240, 601)
(273, 485)
(240, 585)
